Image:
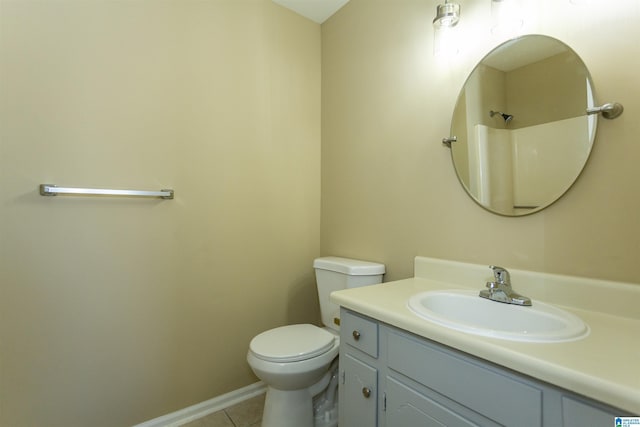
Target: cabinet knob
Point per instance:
(356, 335)
(366, 392)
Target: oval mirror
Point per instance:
(523, 134)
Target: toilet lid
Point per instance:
(291, 343)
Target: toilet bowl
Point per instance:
(294, 356)
(292, 360)
(298, 363)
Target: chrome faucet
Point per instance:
(500, 289)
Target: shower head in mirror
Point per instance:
(507, 117)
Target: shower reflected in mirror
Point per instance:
(507, 117)
(520, 139)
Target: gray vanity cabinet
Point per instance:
(391, 378)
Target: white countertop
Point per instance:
(604, 366)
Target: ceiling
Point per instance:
(316, 10)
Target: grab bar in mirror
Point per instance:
(610, 110)
(54, 190)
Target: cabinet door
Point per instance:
(577, 414)
(408, 408)
(358, 393)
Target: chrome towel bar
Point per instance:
(54, 190)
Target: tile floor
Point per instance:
(244, 414)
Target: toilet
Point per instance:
(299, 363)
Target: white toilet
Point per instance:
(298, 363)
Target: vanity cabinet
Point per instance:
(392, 378)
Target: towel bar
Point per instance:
(54, 190)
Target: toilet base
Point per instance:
(315, 406)
(287, 408)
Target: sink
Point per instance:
(465, 311)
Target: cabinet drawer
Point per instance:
(359, 332)
(499, 397)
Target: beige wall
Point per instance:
(553, 81)
(115, 311)
(389, 191)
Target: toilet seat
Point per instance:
(292, 343)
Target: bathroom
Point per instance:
(284, 140)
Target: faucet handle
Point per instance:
(492, 286)
(501, 274)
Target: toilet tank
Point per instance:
(335, 273)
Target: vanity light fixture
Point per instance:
(444, 38)
(447, 15)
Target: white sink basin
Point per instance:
(465, 311)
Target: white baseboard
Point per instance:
(207, 407)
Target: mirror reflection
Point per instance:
(523, 135)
